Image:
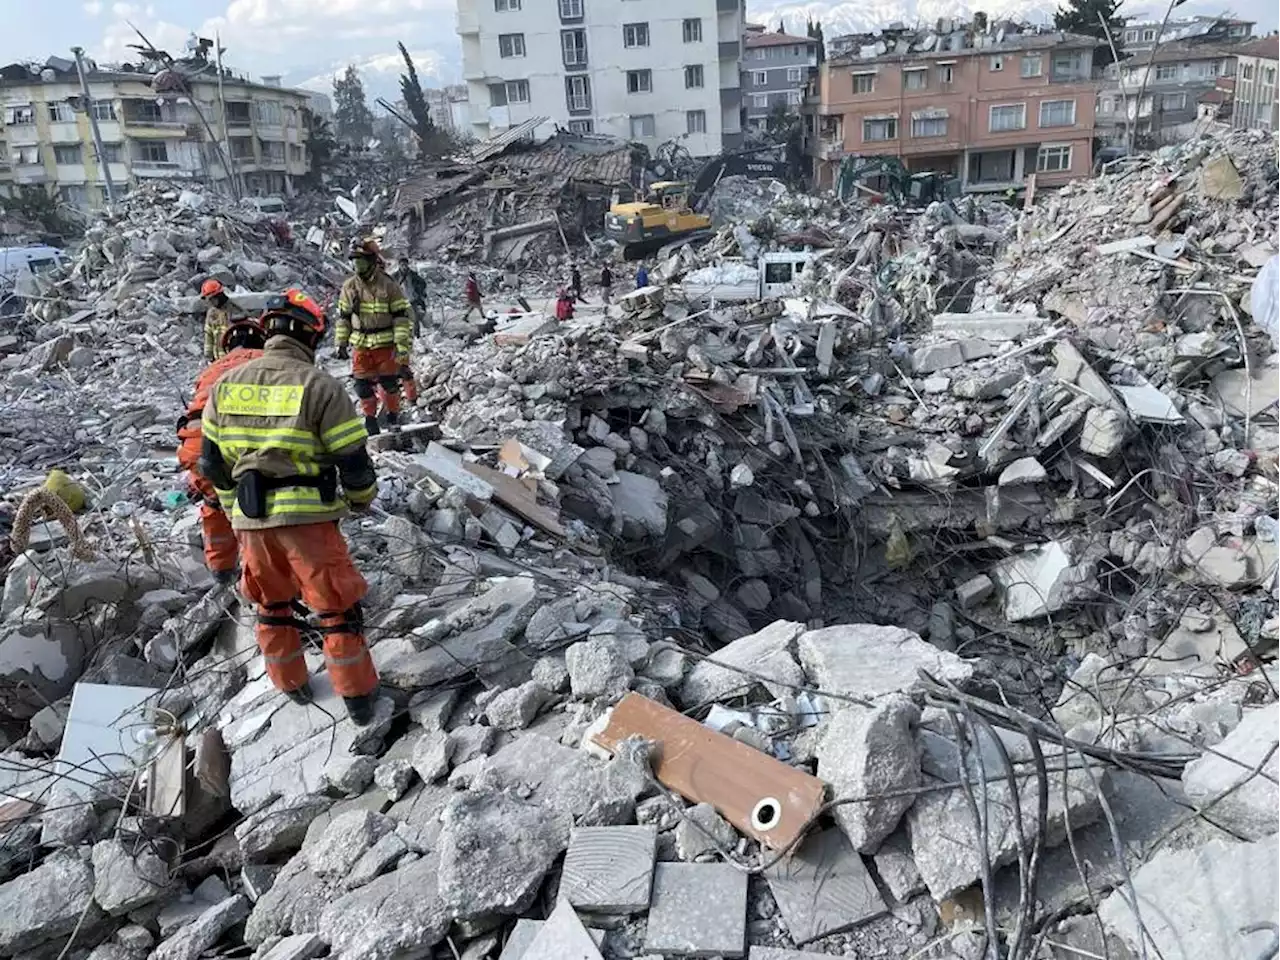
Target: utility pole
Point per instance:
(103, 165)
(222, 112)
(1124, 96)
(1146, 76)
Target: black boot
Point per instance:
(361, 709)
(225, 578)
(302, 695)
(371, 426)
(393, 418)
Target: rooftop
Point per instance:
(158, 74)
(1181, 52)
(1267, 47)
(775, 40)
(895, 45)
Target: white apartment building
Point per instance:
(644, 70)
(46, 142)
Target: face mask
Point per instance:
(364, 268)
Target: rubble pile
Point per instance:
(927, 611)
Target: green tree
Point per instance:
(351, 114)
(814, 29)
(1086, 17)
(782, 25)
(429, 141)
(320, 143)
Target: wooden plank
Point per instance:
(514, 495)
(762, 797)
(166, 785)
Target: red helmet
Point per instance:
(294, 314)
(244, 333)
(211, 288)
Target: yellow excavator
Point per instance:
(664, 216)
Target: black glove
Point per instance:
(344, 352)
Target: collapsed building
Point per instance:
(927, 610)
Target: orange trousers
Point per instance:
(308, 561)
(220, 546)
(377, 375)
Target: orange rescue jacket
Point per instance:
(189, 432)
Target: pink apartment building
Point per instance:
(989, 107)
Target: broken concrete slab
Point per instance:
(598, 667)
(609, 869)
(762, 658)
(996, 327)
(1243, 795)
(344, 841)
(698, 910)
(124, 880)
(1146, 404)
(1217, 900)
(396, 915)
(896, 869)
(1223, 564)
(867, 660)
(1025, 470)
(494, 851)
(1103, 431)
(1038, 582)
(192, 940)
(280, 827)
(974, 591)
(302, 946)
(562, 937)
(870, 755)
(824, 888)
(46, 904)
(703, 833)
(639, 506)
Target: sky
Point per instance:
(308, 41)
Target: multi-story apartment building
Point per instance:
(1142, 35)
(1257, 67)
(449, 109)
(45, 137)
(1159, 94)
(643, 70)
(776, 69)
(990, 107)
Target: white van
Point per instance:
(17, 261)
(267, 205)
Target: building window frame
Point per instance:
(572, 52)
(924, 127)
(1032, 66)
(67, 154)
(695, 121)
(910, 81)
(1246, 71)
(60, 112)
(640, 81)
(694, 76)
(691, 29)
(104, 110)
(157, 151)
(515, 89)
(870, 125)
(19, 115)
(635, 35)
(996, 62)
(1166, 71)
(511, 46)
(577, 93)
(571, 10)
(1021, 123)
(1053, 158)
(1149, 35)
(506, 6)
(864, 83)
(760, 101)
(1046, 115)
(946, 73)
(645, 121)
(581, 127)
(795, 74)
(793, 98)
(759, 78)
(1179, 101)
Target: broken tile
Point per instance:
(609, 869)
(698, 910)
(824, 888)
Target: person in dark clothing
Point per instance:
(606, 282)
(642, 277)
(415, 288)
(575, 284)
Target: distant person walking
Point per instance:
(642, 277)
(575, 284)
(472, 293)
(606, 282)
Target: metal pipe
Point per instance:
(103, 165)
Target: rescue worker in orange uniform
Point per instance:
(280, 435)
(375, 329)
(240, 343)
(216, 319)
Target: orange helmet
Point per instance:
(294, 314)
(211, 288)
(365, 247)
(244, 333)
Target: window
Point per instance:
(60, 112)
(760, 101)
(639, 81)
(1053, 160)
(581, 126)
(1068, 66)
(497, 94)
(295, 153)
(104, 110)
(1057, 113)
(1270, 75)
(760, 78)
(693, 76)
(577, 92)
(695, 121)
(1010, 116)
(928, 126)
(26, 155)
(573, 43)
(642, 126)
(1167, 71)
(241, 148)
(269, 112)
(517, 91)
(1246, 71)
(1130, 36)
(272, 150)
(946, 73)
(511, 44)
(237, 110)
(1106, 105)
(864, 82)
(506, 6)
(1032, 65)
(18, 116)
(692, 30)
(111, 153)
(997, 63)
(1149, 35)
(793, 98)
(1173, 101)
(570, 9)
(635, 34)
(76, 194)
(881, 129)
(794, 75)
(66, 153)
(915, 79)
(156, 151)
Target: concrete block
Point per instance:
(824, 888)
(562, 937)
(866, 660)
(609, 869)
(974, 590)
(765, 655)
(988, 326)
(698, 910)
(1243, 802)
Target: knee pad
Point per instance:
(273, 619)
(390, 384)
(364, 389)
(352, 620)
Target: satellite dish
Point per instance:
(1000, 35)
(881, 48)
(929, 42)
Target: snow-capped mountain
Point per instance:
(841, 16)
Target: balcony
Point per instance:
(29, 173)
(723, 6)
(165, 169)
(151, 129)
(468, 21)
(21, 134)
(729, 49)
(827, 149)
(64, 132)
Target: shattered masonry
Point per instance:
(973, 532)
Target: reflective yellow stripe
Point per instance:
(400, 304)
(344, 434)
(297, 500)
(373, 306)
(344, 305)
(259, 400)
(364, 495)
(238, 444)
(377, 338)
